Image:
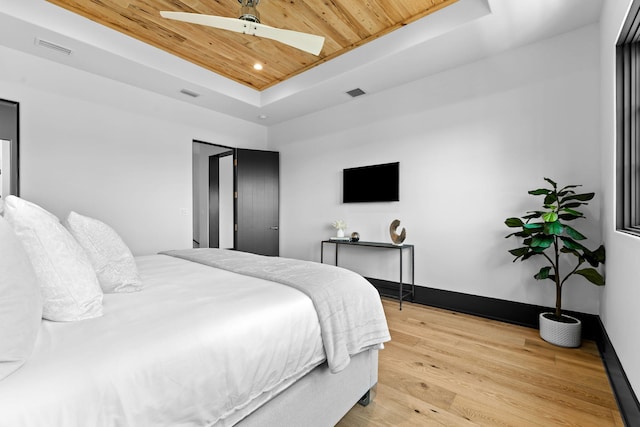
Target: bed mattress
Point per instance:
(198, 346)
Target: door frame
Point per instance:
(201, 202)
(224, 151)
(10, 120)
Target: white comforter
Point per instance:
(349, 308)
(197, 346)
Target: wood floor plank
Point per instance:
(452, 369)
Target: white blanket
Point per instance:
(198, 346)
(349, 307)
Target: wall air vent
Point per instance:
(189, 93)
(53, 46)
(356, 92)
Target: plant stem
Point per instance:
(557, 277)
(557, 266)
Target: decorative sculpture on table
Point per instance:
(396, 238)
(339, 225)
(355, 236)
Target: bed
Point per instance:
(200, 338)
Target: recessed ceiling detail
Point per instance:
(53, 46)
(345, 24)
(189, 93)
(355, 92)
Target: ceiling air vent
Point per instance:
(53, 46)
(189, 93)
(356, 92)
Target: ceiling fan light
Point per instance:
(250, 16)
(248, 11)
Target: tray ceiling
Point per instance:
(345, 24)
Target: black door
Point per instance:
(257, 202)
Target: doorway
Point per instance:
(5, 168)
(235, 199)
(221, 206)
(9, 148)
(213, 205)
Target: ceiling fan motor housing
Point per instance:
(248, 11)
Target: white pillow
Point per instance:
(20, 302)
(69, 286)
(109, 255)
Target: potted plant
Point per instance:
(546, 234)
(340, 226)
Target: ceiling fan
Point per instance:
(249, 23)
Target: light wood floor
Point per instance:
(449, 369)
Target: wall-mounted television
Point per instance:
(375, 183)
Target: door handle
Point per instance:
(274, 227)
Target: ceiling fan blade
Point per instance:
(230, 24)
(308, 42)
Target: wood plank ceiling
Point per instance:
(345, 24)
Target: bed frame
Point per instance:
(320, 398)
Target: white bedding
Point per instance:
(168, 355)
(349, 309)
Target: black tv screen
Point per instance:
(375, 183)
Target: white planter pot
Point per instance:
(561, 333)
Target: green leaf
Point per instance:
(574, 234)
(517, 234)
(551, 182)
(519, 252)
(566, 189)
(541, 241)
(553, 228)
(536, 214)
(572, 244)
(568, 217)
(550, 216)
(566, 250)
(572, 212)
(585, 197)
(592, 275)
(535, 251)
(539, 192)
(543, 273)
(529, 232)
(596, 257)
(514, 222)
(550, 199)
(572, 205)
(533, 225)
(600, 254)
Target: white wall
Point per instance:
(471, 142)
(226, 202)
(619, 310)
(112, 151)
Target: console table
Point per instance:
(402, 293)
